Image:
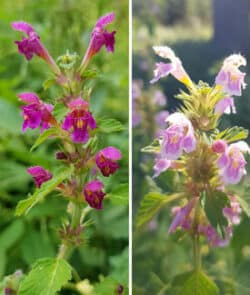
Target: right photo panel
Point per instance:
(191, 184)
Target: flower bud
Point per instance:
(219, 146)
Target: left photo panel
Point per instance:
(64, 147)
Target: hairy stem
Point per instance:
(196, 239)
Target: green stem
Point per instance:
(196, 239)
(196, 252)
(66, 250)
(76, 215)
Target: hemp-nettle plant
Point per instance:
(81, 165)
(206, 160)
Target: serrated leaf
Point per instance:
(119, 195)
(25, 205)
(46, 277)
(152, 203)
(110, 125)
(233, 134)
(42, 137)
(197, 283)
(214, 203)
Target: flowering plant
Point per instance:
(83, 163)
(206, 160)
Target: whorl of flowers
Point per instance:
(208, 159)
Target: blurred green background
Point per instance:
(202, 33)
(63, 25)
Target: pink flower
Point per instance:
(219, 146)
(174, 68)
(106, 160)
(226, 105)
(177, 137)
(36, 113)
(31, 45)
(232, 162)
(160, 118)
(232, 213)
(100, 37)
(160, 166)
(159, 98)
(39, 174)
(79, 121)
(212, 236)
(181, 216)
(93, 194)
(230, 78)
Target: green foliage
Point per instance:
(233, 134)
(119, 195)
(152, 203)
(197, 283)
(46, 277)
(24, 206)
(42, 137)
(109, 125)
(213, 205)
(154, 147)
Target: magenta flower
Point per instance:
(36, 113)
(230, 78)
(232, 213)
(39, 174)
(79, 121)
(93, 194)
(177, 137)
(100, 37)
(106, 160)
(181, 216)
(219, 146)
(232, 163)
(31, 45)
(226, 105)
(160, 166)
(174, 68)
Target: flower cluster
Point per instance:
(77, 127)
(190, 143)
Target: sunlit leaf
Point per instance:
(46, 277)
(40, 193)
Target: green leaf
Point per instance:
(233, 134)
(244, 205)
(89, 74)
(109, 286)
(47, 133)
(119, 195)
(25, 205)
(48, 83)
(198, 283)
(154, 147)
(152, 203)
(214, 203)
(11, 120)
(60, 111)
(46, 277)
(110, 125)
